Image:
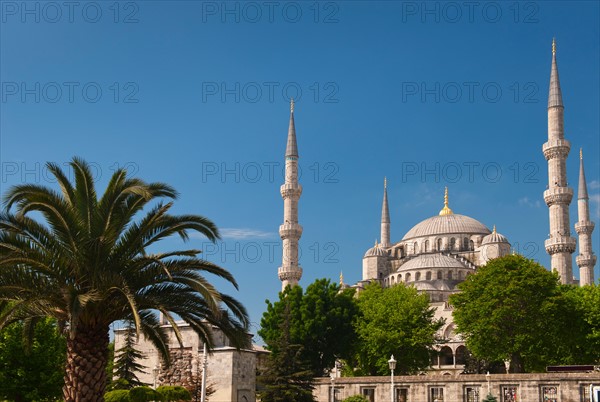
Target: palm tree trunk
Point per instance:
(85, 371)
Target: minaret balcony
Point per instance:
(291, 190)
(556, 149)
(558, 195)
(289, 273)
(584, 227)
(560, 244)
(585, 260)
(290, 231)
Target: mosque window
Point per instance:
(407, 277)
(393, 280)
(461, 355)
(416, 248)
(417, 276)
(461, 275)
(399, 278)
(436, 394)
(426, 246)
(446, 356)
(428, 275)
(465, 243)
(509, 393)
(452, 243)
(471, 245)
(440, 275)
(439, 244)
(449, 275)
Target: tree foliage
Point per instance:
(126, 365)
(88, 260)
(144, 394)
(288, 377)
(356, 398)
(514, 309)
(320, 321)
(174, 393)
(396, 320)
(117, 395)
(31, 371)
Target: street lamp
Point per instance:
(392, 364)
(487, 377)
(155, 371)
(332, 376)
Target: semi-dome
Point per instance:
(437, 260)
(447, 224)
(494, 237)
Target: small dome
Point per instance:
(494, 237)
(431, 261)
(376, 251)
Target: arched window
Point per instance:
(418, 276)
(461, 275)
(440, 275)
(446, 356)
(428, 275)
(460, 355)
(400, 252)
(439, 244)
(465, 244)
(426, 246)
(407, 277)
(399, 278)
(449, 275)
(416, 248)
(452, 243)
(471, 245)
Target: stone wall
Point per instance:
(555, 387)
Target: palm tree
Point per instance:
(87, 262)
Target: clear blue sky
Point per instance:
(196, 94)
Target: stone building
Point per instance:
(230, 373)
(540, 387)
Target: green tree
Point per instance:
(31, 371)
(356, 398)
(490, 398)
(320, 320)
(117, 395)
(88, 261)
(126, 364)
(173, 393)
(287, 377)
(508, 311)
(396, 320)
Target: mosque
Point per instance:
(438, 253)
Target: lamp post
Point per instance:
(487, 377)
(332, 376)
(392, 364)
(155, 371)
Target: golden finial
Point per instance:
(292, 105)
(494, 231)
(384, 182)
(553, 46)
(341, 278)
(580, 153)
(446, 210)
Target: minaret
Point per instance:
(558, 196)
(385, 218)
(290, 232)
(584, 228)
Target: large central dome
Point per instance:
(447, 224)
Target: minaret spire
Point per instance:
(385, 218)
(586, 260)
(558, 196)
(290, 232)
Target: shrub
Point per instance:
(144, 394)
(356, 398)
(174, 393)
(119, 395)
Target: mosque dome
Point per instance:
(494, 237)
(376, 251)
(447, 222)
(424, 261)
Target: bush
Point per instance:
(174, 393)
(144, 394)
(356, 398)
(119, 395)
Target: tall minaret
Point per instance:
(385, 218)
(584, 228)
(290, 232)
(560, 245)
